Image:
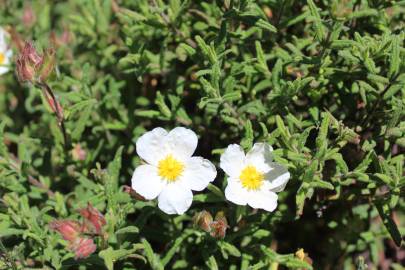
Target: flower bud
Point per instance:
(219, 226)
(28, 63)
(28, 17)
(31, 55)
(33, 67)
(93, 219)
(301, 255)
(70, 230)
(78, 153)
(203, 220)
(48, 64)
(25, 72)
(83, 247)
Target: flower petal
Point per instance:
(182, 142)
(175, 198)
(3, 69)
(263, 199)
(235, 193)
(277, 177)
(260, 156)
(150, 146)
(232, 160)
(198, 173)
(146, 182)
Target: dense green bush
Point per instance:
(322, 81)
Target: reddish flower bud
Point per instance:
(203, 220)
(28, 17)
(83, 247)
(25, 72)
(28, 62)
(70, 230)
(93, 218)
(30, 54)
(33, 67)
(78, 153)
(219, 226)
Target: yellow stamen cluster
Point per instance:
(170, 168)
(251, 178)
(2, 58)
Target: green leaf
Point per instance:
(319, 29)
(322, 184)
(266, 26)
(128, 229)
(229, 248)
(394, 57)
(212, 263)
(172, 251)
(208, 51)
(153, 259)
(3, 147)
(385, 214)
(216, 191)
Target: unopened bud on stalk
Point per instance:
(94, 220)
(203, 220)
(28, 17)
(78, 153)
(216, 228)
(33, 67)
(83, 247)
(69, 229)
(219, 226)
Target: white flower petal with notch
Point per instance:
(175, 198)
(146, 182)
(232, 160)
(199, 173)
(150, 146)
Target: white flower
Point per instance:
(253, 178)
(171, 172)
(5, 53)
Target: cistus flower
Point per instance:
(171, 171)
(5, 52)
(69, 229)
(253, 178)
(94, 220)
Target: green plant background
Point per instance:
(322, 81)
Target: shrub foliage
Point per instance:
(321, 81)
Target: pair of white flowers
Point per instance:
(171, 172)
(5, 52)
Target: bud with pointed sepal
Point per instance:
(203, 220)
(94, 220)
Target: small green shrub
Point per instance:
(321, 81)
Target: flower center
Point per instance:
(251, 178)
(2, 58)
(170, 168)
